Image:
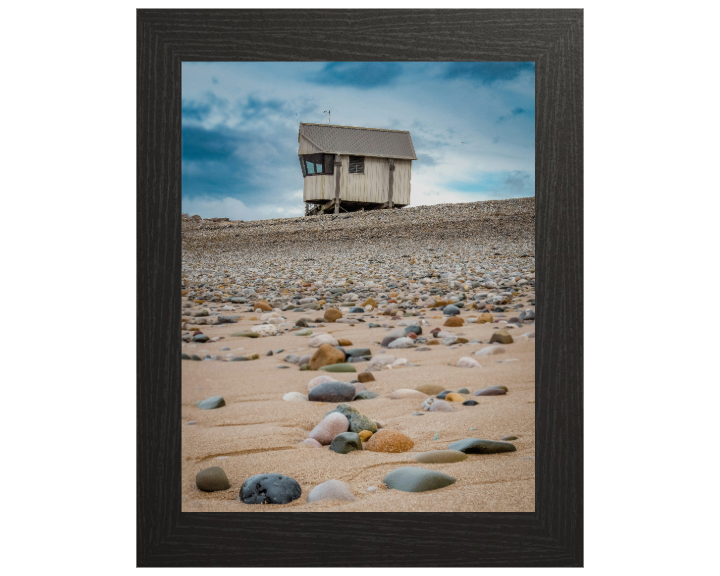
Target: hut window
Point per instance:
(357, 165)
(316, 164)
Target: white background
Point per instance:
(68, 284)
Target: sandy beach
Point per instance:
(411, 263)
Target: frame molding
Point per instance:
(553, 535)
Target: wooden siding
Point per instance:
(372, 186)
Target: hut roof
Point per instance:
(360, 141)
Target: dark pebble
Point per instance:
(346, 442)
(270, 489)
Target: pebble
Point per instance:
(366, 377)
(303, 332)
(453, 397)
(451, 310)
(211, 403)
(331, 490)
(270, 489)
(226, 319)
(507, 438)
(478, 446)
(312, 442)
(245, 335)
(332, 314)
(346, 442)
(332, 392)
(485, 318)
(463, 391)
(490, 392)
(320, 380)
(294, 396)
(440, 456)
(389, 441)
(490, 351)
(366, 395)
(467, 362)
(413, 479)
(212, 479)
(441, 395)
(418, 413)
(320, 339)
(470, 403)
(265, 329)
(441, 406)
(501, 336)
(338, 368)
(429, 389)
(357, 420)
(333, 424)
(372, 489)
(190, 423)
(326, 355)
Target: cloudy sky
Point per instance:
(472, 125)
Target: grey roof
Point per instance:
(360, 141)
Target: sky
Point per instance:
(472, 125)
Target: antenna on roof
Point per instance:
(328, 113)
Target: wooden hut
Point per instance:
(351, 168)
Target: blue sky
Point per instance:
(472, 125)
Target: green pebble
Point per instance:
(338, 368)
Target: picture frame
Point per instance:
(553, 534)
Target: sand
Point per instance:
(258, 432)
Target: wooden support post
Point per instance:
(391, 164)
(338, 165)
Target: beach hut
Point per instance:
(350, 168)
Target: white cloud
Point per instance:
(235, 209)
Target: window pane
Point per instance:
(310, 168)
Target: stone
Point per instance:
(404, 393)
(429, 389)
(320, 339)
(262, 305)
(401, 343)
(528, 314)
(357, 420)
(454, 322)
(413, 479)
(212, 479)
(389, 441)
(427, 403)
(366, 395)
(369, 302)
(356, 310)
(490, 351)
(467, 362)
(485, 318)
(338, 368)
(226, 319)
(463, 391)
(449, 340)
(440, 456)
(325, 356)
(184, 356)
(415, 329)
(433, 342)
(506, 438)
(332, 314)
(331, 490)
(332, 392)
(490, 392)
(344, 342)
(365, 435)
(294, 396)
(501, 336)
(372, 489)
(469, 403)
(201, 338)
(291, 359)
(303, 332)
(245, 335)
(211, 403)
(346, 442)
(365, 377)
(388, 340)
(359, 352)
(320, 380)
(202, 312)
(453, 397)
(312, 442)
(270, 489)
(265, 329)
(441, 406)
(441, 395)
(478, 446)
(418, 413)
(333, 424)
(451, 310)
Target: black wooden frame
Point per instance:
(553, 535)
